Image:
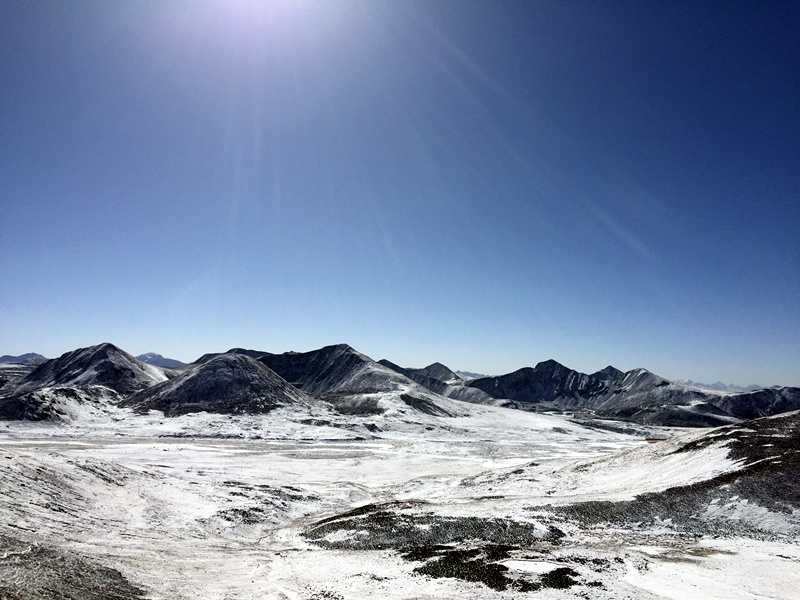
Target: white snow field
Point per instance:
(219, 507)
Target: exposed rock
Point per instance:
(38, 572)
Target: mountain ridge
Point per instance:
(353, 383)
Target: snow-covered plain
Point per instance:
(220, 507)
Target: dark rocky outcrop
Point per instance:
(31, 571)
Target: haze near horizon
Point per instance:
(488, 185)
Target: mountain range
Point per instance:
(342, 379)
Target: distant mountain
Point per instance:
(151, 358)
(104, 364)
(332, 368)
(354, 382)
(250, 353)
(438, 371)
(719, 386)
(469, 375)
(638, 395)
(549, 382)
(229, 383)
(761, 403)
(445, 384)
(29, 358)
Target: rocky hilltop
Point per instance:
(230, 383)
(104, 364)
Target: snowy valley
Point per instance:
(327, 475)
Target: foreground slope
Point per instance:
(491, 505)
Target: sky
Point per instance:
(484, 184)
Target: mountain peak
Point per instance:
(441, 372)
(609, 373)
(232, 383)
(103, 364)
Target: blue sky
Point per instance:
(488, 185)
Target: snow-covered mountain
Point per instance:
(151, 358)
(638, 395)
(230, 383)
(719, 386)
(354, 383)
(351, 381)
(104, 364)
(546, 383)
(76, 385)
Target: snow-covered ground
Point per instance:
(219, 507)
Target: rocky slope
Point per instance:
(759, 497)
